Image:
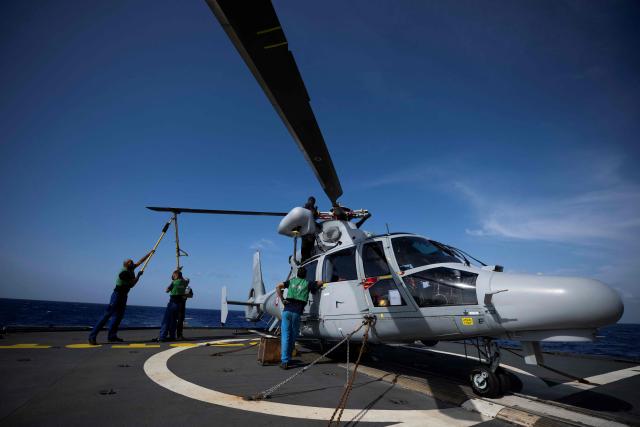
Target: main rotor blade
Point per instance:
(214, 211)
(254, 29)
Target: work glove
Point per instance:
(139, 274)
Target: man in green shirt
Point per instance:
(177, 290)
(182, 311)
(298, 289)
(126, 280)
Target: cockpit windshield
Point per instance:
(412, 252)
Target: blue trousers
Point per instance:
(289, 333)
(115, 311)
(170, 320)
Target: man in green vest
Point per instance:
(126, 280)
(177, 291)
(298, 289)
(182, 311)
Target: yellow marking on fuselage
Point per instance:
(271, 46)
(82, 346)
(24, 346)
(136, 345)
(467, 321)
(268, 30)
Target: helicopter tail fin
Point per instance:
(258, 284)
(224, 307)
(252, 311)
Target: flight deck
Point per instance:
(55, 378)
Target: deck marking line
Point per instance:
(82, 346)
(136, 345)
(484, 407)
(565, 389)
(24, 346)
(558, 412)
(183, 344)
(511, 368)
(262, 334)
(489, 409)
(222, 344)
(611, 377)
(156, 369)
(557, 391)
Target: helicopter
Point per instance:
(415, 288)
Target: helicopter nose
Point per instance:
(551, 302)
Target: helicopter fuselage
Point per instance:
(416, 291)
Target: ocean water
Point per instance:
(617, 341)
(20, 312)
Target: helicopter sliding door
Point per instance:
(341, 299)
(384, 295)
(397, 317)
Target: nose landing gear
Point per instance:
(489, 379)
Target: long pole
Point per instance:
(175, 224)
(153, 251)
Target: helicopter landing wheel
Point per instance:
(484, 382)
(504, 379)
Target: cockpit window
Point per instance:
(311, 271)
(373, 260)
(412, 252)
(442, 286)
(340, 266)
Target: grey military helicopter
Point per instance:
(415, 288)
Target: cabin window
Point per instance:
(311, 271)
(373, 260)
(340, 266)
(385, 293)
(412, 252)
(442, 286)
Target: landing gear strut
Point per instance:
(489, 379)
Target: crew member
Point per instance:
(182, 309)
(340, 212)
(309, 239)
(297, 296)
(126, 280)
(177, 291)
(311, 205)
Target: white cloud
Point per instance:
(262, 244)
(611, 214)
(422, 173)
(590, 206)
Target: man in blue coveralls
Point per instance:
(126, 280)
(298, 289)
(177, 290)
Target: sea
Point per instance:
(23, 313)
(620, 341)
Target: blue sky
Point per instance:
(509, 129)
